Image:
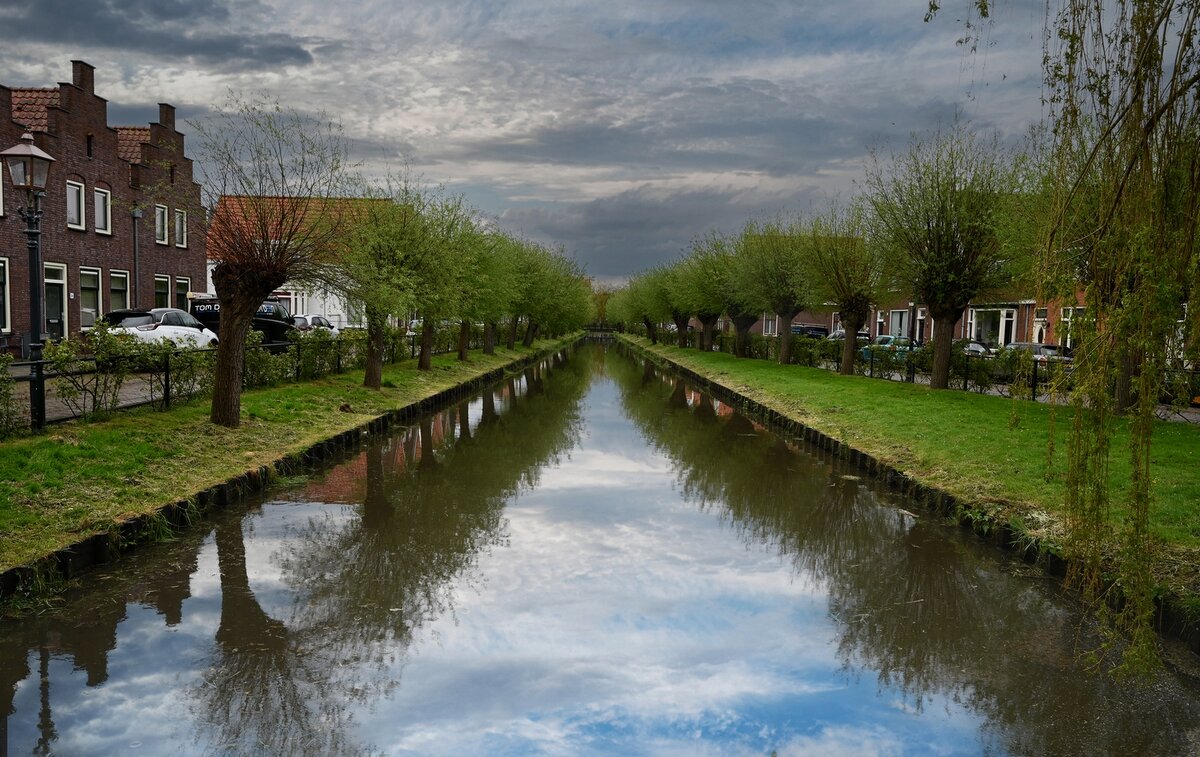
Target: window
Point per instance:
(4, 294)
(162, 291)
(118, 290)
(879, 323)
(180, 228)
(160, 225)
(89, 297)
(899, 323)
(75, 219)
(770, 325)
(103, 210)
(91, 144)
(182, 286)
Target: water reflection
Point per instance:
(589, 558)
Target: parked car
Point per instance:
(805, 329)
(975, 349)
(839, 334)
(888, 343)
(1041, 352)
(307, 321)
(272, 317)
(158, 324)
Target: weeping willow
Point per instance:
(1122, 83)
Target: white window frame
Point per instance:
(162, 234)
(78, 190)
(7, 327)
(66, 310)
(162, 277)
(116, 273)
(770, 325)
(2, 197)
(103, 224)
(880, 323)
(181, 235)
(187, 282)
(83, 269)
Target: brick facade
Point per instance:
(140, 167)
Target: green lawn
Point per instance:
(79, 479)
(968, 445)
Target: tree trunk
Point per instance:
(785, 335)
(512, 332)
(708, 325)
(943, 343)
(425, 359)
(464, 339)
(850, 326)
(681, 332)
(530, 334)
(651, 331)
(741, 341)
(236, 316)
(376, 329)
(489, 338)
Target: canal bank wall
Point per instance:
(1171, 620)
(41, 576)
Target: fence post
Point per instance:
(967, 373)
(337, 354)
(871, 354)
(1033, 382)
(167, 379)
(37, 396)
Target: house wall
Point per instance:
(76, 133)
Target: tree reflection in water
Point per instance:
(932, 614)
(431, 503)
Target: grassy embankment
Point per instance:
(80, 479)
(967, 445)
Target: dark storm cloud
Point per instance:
(641, 228)
(202, 30)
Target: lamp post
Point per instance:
(29, 168)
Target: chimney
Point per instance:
(83, 76)
(166, 116)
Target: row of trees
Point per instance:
(941, 224)
(288, 206)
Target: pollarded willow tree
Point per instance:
(846, 270)
(939, 211)
(772, 271)
(700, 283)
(275, 180)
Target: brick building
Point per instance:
(122, 224)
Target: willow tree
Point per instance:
(380, 262)
(700, 283)
(273, 177)
(847, 271)
(772, 269)
(938, 210)
(1125, 92)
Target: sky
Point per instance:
(618, 130)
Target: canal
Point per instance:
(589, 558)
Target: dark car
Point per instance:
(805, 329)
(272, 318)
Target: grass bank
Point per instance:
(993, 454)
(79, 480)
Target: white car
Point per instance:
(158, 324)
(306, 321)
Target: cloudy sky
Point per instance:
(620, 130)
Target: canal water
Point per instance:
(590, 558)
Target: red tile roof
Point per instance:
(130, 140)
(29, 106)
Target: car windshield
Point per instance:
(128, 320)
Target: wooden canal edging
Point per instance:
(1170, 620)
(70, 561)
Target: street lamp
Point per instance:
(29, 168)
